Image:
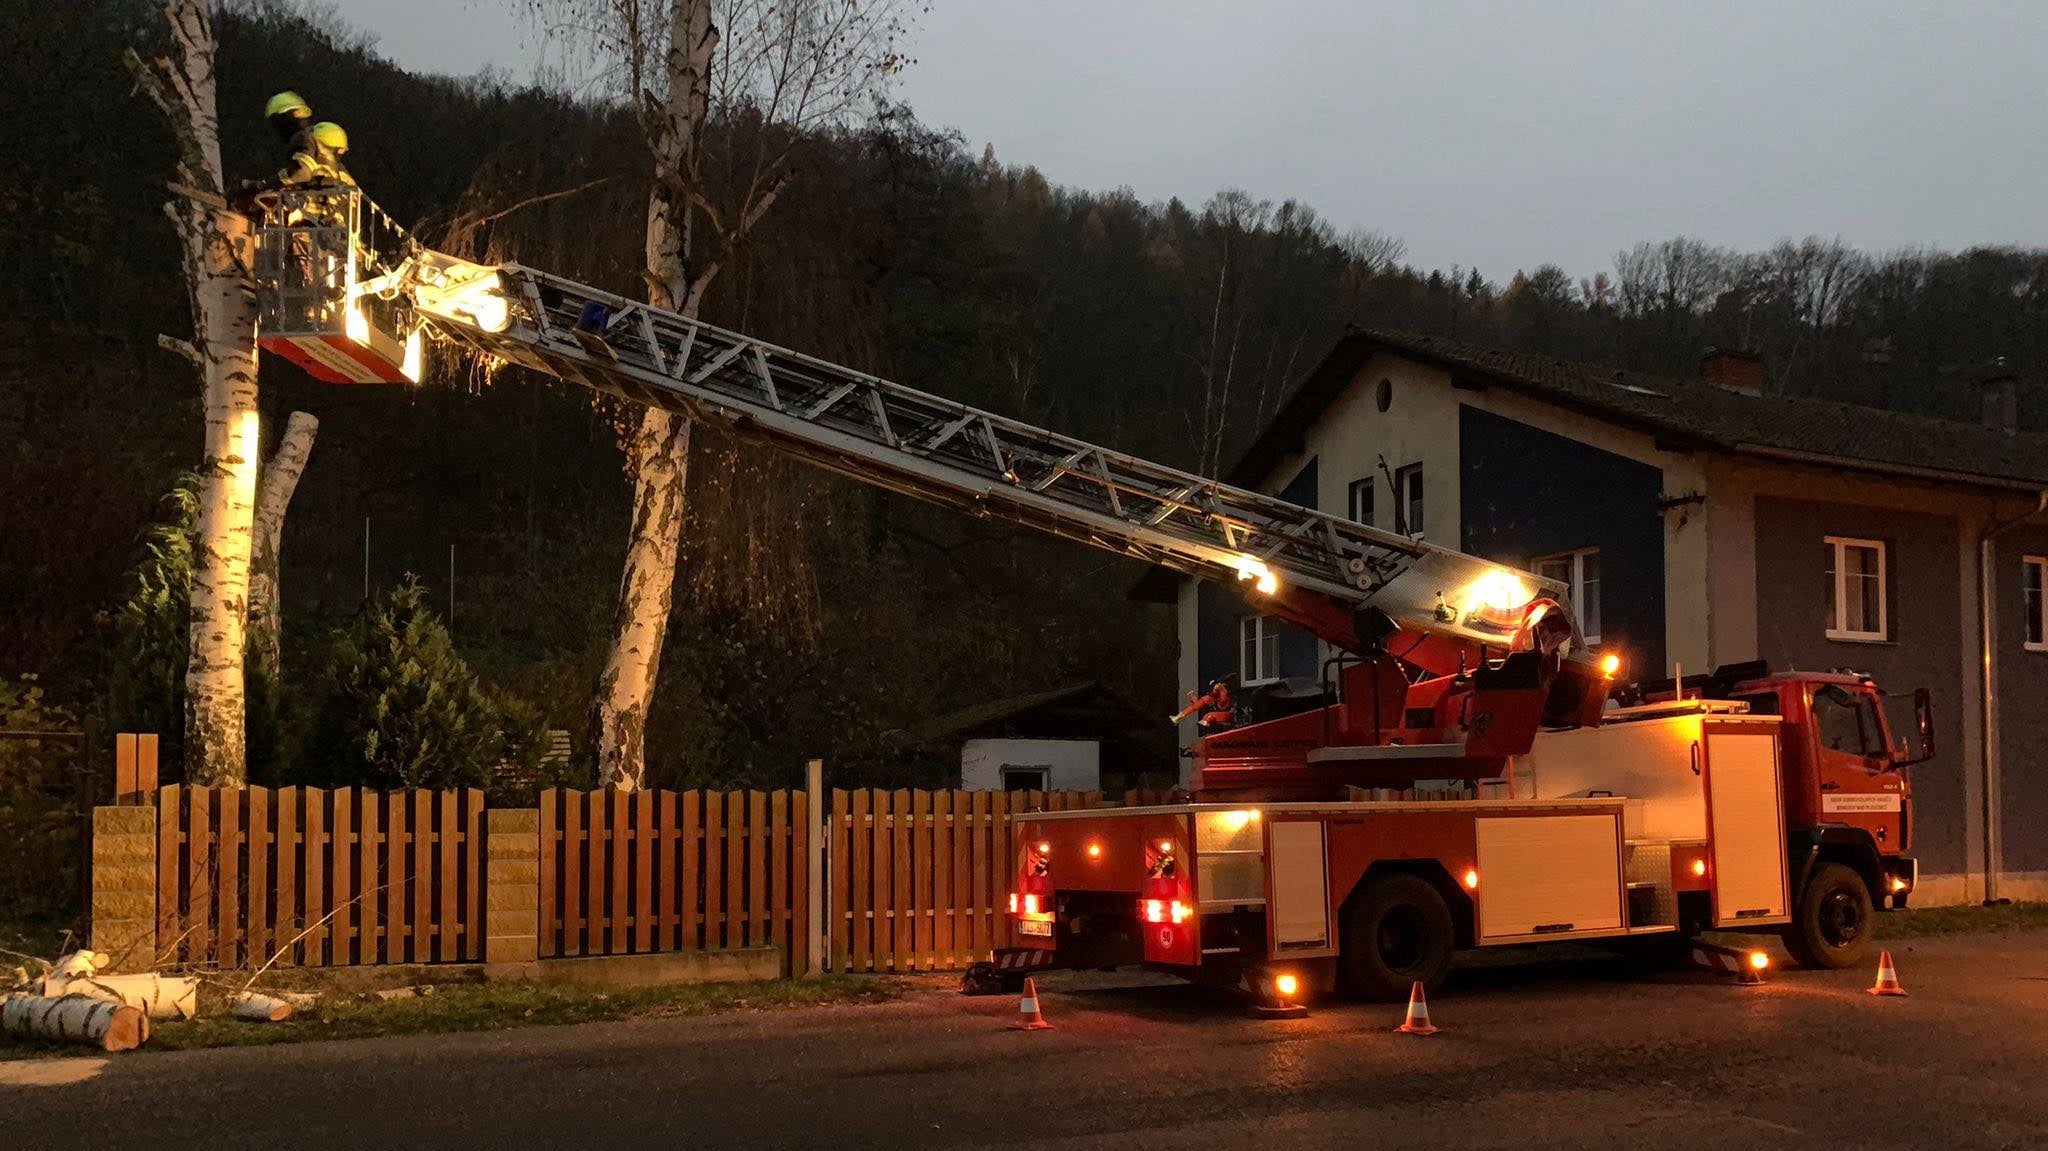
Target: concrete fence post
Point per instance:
(814, 888)
(512, 893)
(124, 849)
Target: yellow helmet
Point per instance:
(328, 134)
(287, 103)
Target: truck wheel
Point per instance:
(1396, 932)
(1831, 925)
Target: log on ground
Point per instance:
(100, 1023)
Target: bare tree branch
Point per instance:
(182, 348)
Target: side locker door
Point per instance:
(1746, 820)
(1297, 879)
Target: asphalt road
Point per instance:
(1542, 1055)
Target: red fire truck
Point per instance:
(1746, 800)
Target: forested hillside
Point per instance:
(817, 616)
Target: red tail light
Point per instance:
(1163, 911)
(1013, 903)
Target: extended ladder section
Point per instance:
(915, 442)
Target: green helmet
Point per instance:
(288, 104)
(328, 134)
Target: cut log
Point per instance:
(158, 996)
(260, 1008)
(82, 963)
(100, 1023)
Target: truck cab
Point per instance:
(1848, 803)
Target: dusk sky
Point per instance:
(1497, 135)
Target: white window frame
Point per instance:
(2040, 608)
(1264, 635)
(1370, 486)
(1008, 771)
(1404, 476)
(1837, 546)
(1575, 580)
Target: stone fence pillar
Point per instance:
(512, 894)
(124, 885)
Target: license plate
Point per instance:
(1035, 927)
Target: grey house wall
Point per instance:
(1526, 492)
(2022, 712)
(1926, 597)
(1218, 610)
(1298, 649)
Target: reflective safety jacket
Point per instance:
(313, 164)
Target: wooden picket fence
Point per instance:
(920, 880)
(317, 877)
(674, 871)
(914, 880)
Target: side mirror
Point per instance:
(1923, 718)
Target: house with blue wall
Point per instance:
(1701, 522)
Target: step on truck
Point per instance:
(1661, 818)
(1743, 801)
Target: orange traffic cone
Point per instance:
(1029, 1018)
(1417, 1022)
(1887, 976)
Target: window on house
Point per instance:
(1856, 590)
(1258, 659)
(1408, 500)
(1361, 501)
(1579, 571)
(1026, 778)
(2034, 583)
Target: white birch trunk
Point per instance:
(100, 1023)
(259, 1008)
(216, 244)
(280, 479)
(157, 996)
(659, 451)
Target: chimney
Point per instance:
(1734, 370)
(1999, 389)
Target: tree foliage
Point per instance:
(39, 824)
(147, 676)
(402, 708)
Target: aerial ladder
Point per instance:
(1443, 665)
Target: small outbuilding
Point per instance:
(1080, 737)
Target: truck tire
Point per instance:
(1397, 931)
(1831, 923)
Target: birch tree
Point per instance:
(216, 245)
(725, 91)
(280, 479)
